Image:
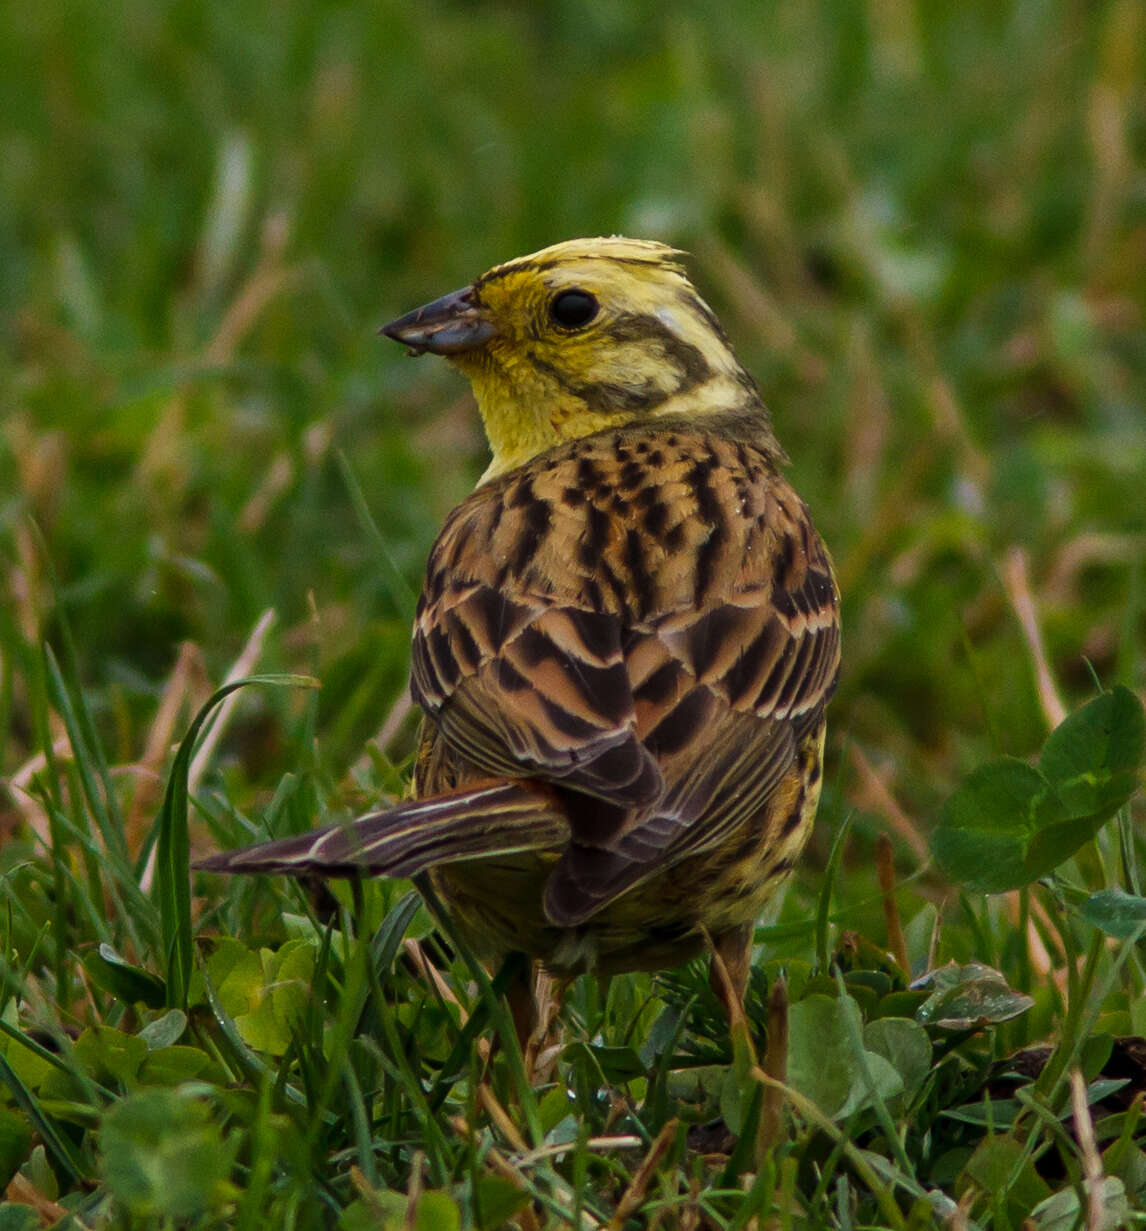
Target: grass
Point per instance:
(925, 228)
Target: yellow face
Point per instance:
(582, 336)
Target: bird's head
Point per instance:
(582, 336)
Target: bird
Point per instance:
(626, 640)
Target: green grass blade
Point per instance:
(401, 593)
(824, 906)
(56, 1144)
(173, 844)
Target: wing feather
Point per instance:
(480, 822)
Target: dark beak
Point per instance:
(448, 326)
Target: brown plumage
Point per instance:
(625, 642)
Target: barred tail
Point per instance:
(497, 818)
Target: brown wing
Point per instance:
(648, 621)
(520, 687)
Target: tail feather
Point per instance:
(497, 818)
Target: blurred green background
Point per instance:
(924, 226)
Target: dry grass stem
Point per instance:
(395, 719)
(775, 1067)
(186, 686)
(886, 522)
(495, 1161)
(414, 1189)
(1016, 582)
(960, 1217)
(31, 810)
(874, 795)
(278, 478)
(502, 1119)
(433, 976)
(1091, 1160)
(634, 1195)
(22, 1191)
(627, 1141)
(220, 719)
(1039, 956)
(160, 462)
(690, 1215)
(885, 870)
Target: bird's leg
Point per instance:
(548, 996)
(535, 1001)
(728, 970)
(523, 1007)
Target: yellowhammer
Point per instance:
(626, 639)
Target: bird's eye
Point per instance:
(572, 309)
